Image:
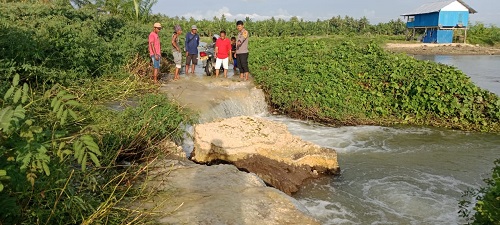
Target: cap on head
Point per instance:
(177, 28)
(194, 27)
(157, 25)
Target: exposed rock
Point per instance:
(265, 148)
(221, 194)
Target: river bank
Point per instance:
(193, 193)
(441, 49)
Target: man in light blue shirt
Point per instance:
(191, 43)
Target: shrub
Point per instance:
(349, 84)
(487, 207)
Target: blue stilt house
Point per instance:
(439, 20)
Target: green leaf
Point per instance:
(64, 117)
(36, 129)
(28, 122)
(27, 134)
(26, 159)
(3, 173)
(72, 114)
(73, 103)
(53, 102)
(19, 112)
(78, 148)
(1, 187)
(90, 143)
(25, 93)
(46, 168)
(61, 93)
(9, 93)
(84, 162)
(86, 138)
(6, 115)
(67, 152)
(94, 150)
(62, 145)
(17, 96)
(15, 81)
(67, 97)
(94, 159)
(56, 106)
(60, 112)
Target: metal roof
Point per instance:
(436, 7)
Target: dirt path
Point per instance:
(441, 49)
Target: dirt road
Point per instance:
(441, 49)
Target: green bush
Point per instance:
(136, 129)
(40, 143)
(348, 84)
(48, 43)
(487, 206)
(58, 156)
(486, 35)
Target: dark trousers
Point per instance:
(242, 62)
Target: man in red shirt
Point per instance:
(222, 52)
(154, 50)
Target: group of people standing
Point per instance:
(237, 49)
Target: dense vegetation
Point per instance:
(349, 84)
(485, 35)
(487, 207)
(65, 157)
(295, 26)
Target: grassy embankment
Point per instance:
(343, 83)
(66, 158)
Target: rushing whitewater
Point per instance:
(400, 175)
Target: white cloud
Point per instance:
(368, 13)
(210, 14)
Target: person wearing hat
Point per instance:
(192, 41)
(176, 50)
(155, 50)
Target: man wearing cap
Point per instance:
(176, 50)
(154, 50)
(192, 41)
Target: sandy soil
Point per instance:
(441, 49)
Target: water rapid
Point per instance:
(397, 175)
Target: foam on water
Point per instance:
(419, 198)
(333, 213)
(351, 138)
(395, 175)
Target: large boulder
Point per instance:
(188, 193)
(265, 148)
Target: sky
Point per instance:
(375, 10)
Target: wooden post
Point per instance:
(465, 36)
